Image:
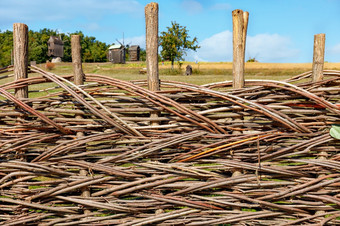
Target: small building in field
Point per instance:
(55, 47)
(117, 54)
(134, 52)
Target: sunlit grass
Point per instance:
(204, 72)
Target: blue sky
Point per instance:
(278, 30)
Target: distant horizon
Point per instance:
(212, 62)
(278, 31)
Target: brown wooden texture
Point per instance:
(79, 80)
(318, 57)
(76, 60)
(151, 22)
(20, 54)
(176, 173)
(240, 24)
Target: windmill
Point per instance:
(117, 52)
(124, 47)
(123, 44)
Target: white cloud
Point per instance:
(192, 6)
(332, 53)
(221, 6)
(270, 48)
(264, 47)
(215, 48)
(334, 50)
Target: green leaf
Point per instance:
(175, 43)
(335, 131)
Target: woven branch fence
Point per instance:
(80, 155)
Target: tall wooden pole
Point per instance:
(151, 22)
(318, 57)
(76, 60)
(317, 75)
(79, 80)
(20, 55)
(240, 24)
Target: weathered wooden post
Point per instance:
(317, 74)
(318, 57)
(20, 62)
(151, 22)
(20, 55)
(79, 80)
(78, 74)
(240, 24)
(76, 60)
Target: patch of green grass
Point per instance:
(203, 73)
(104, 214)
(249, 210)
(127, 165)
(281, 202)
(4, 196)
(190, 179)
(38, 211)
(42, 178)
(32, 187)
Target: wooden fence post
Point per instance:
(79, 80)
(318, 57)
(78, 74)
(76, 60)
(151, 22)
(240, 24)
(317, 75)
(20, 54)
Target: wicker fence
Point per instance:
(111, 152)
(88, 154)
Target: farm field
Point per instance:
(203, 72)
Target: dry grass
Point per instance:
(204, 72)
(258, 65)
(132, 67)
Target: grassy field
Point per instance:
(204, 72)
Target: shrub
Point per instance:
(49, 66)
(252, 59)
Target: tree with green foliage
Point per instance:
(142, 55)
(92, 49)
(175, 42)
(37, 44)
(6, 46)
